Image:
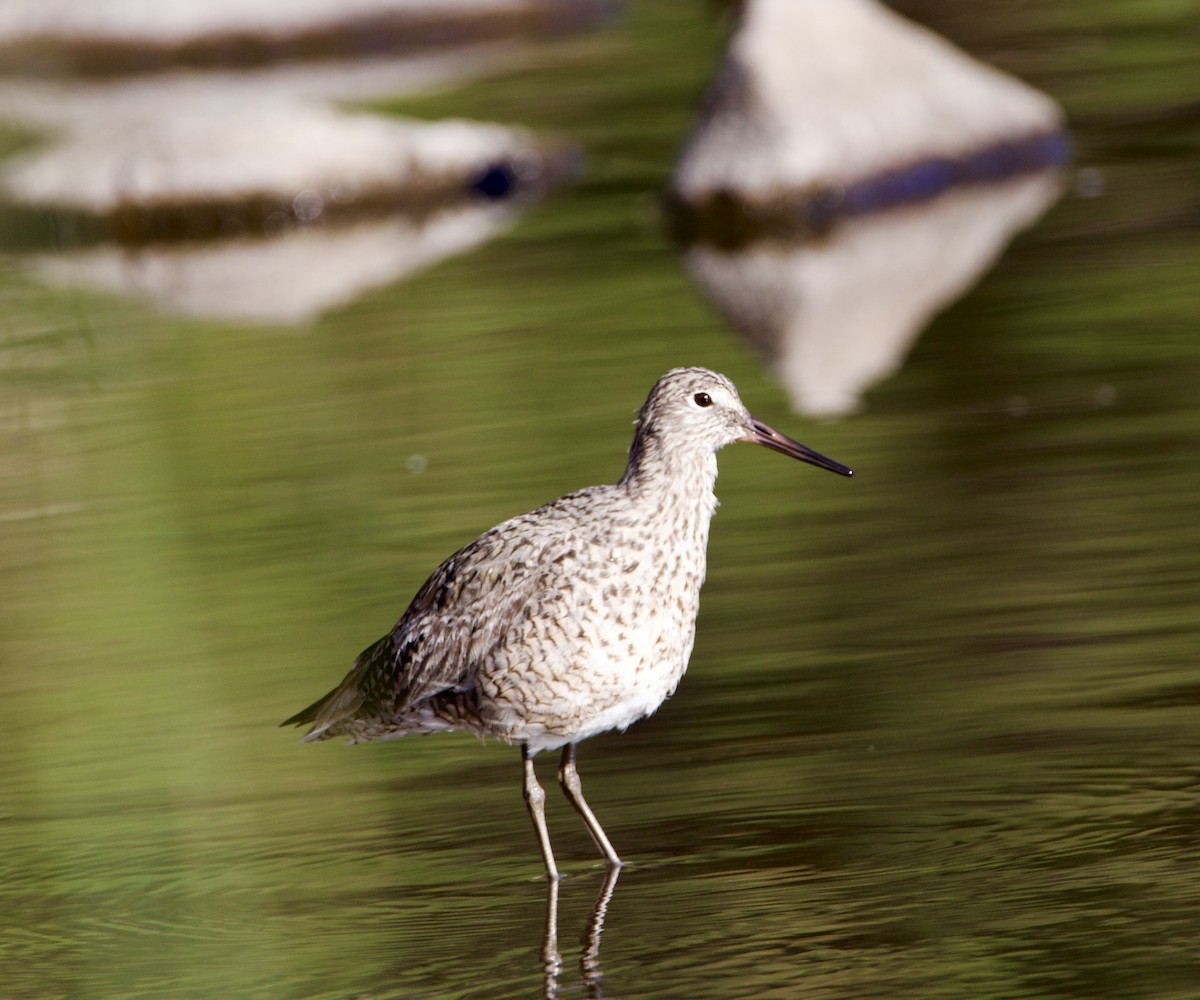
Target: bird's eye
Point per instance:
(703, 399)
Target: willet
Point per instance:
(573, 619)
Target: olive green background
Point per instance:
(940, 734)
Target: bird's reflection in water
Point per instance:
(589, 957)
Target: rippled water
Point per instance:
(940, 734)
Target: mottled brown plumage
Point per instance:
(573, 619)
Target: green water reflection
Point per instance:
(940, 733)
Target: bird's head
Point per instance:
(694, 408)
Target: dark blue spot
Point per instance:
(497, 180)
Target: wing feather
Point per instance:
(453, 625)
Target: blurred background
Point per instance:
(297, 298)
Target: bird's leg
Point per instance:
(551, 959)
(535, 802)
(589, 960)
(568, 777)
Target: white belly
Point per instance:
(607, 645)
(597, 671)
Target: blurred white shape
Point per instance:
(812, 136)
(192, 170)
(818, 92)
(180, 20)
(287, 279)
(195, 150)
(150, 141)
(837, 317)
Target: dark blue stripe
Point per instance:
(925, 179)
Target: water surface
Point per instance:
(940, 733)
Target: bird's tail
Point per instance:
(307, 715)
(339, 706)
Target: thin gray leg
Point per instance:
(589, 960)
(551, 959)
(535, 802)
(568, 777)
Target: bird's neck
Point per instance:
(677, 480)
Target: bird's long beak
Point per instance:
(768, 437)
